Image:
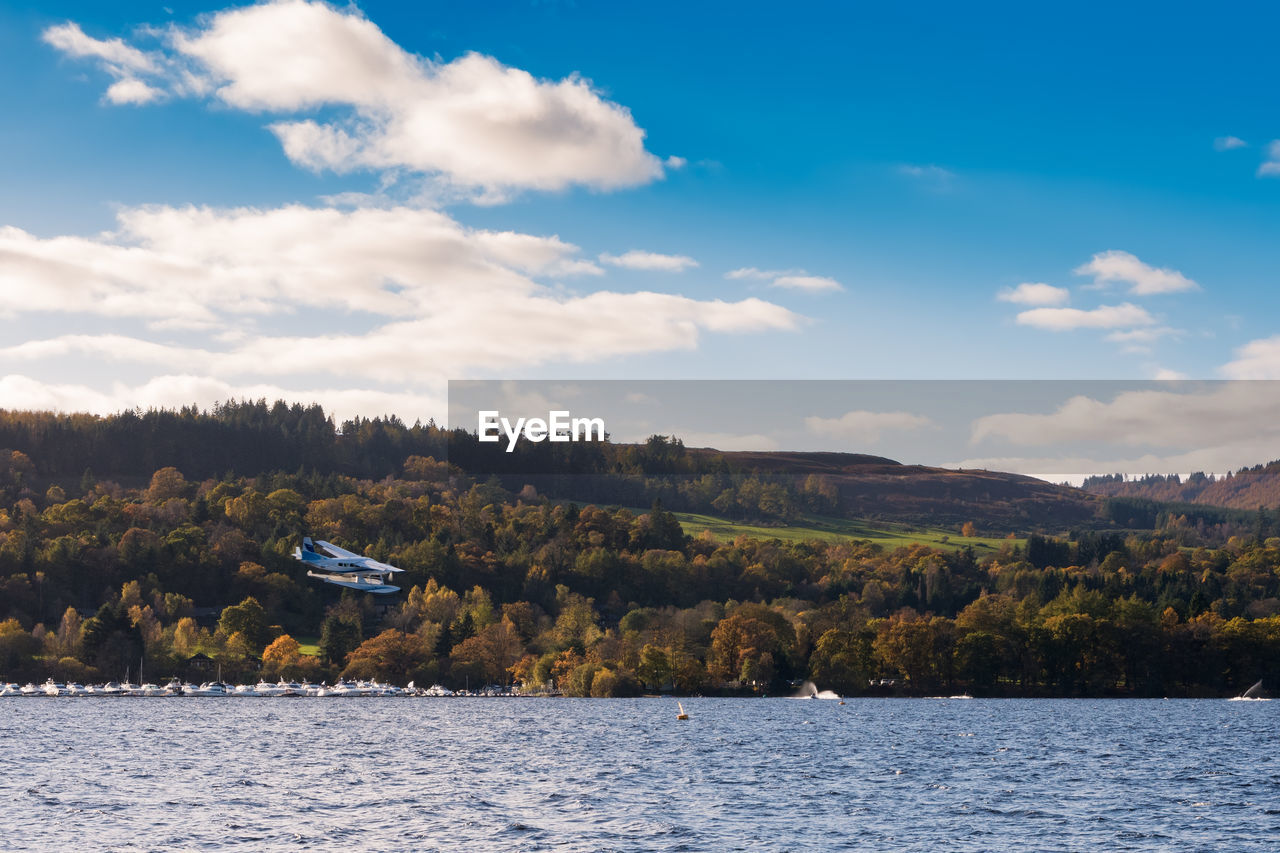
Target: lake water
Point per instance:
(565, 774)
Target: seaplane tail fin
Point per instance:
(307, 553)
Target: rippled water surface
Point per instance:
(742, 774)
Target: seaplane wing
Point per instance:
(335, 551)
(347, 559)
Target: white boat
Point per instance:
(209, 688)
(341, 689)
(76, 689)
(30, 689)
(54, 688)
(9, 689)
(266, 688)
(245, 690)
(148, 690)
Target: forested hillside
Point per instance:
(118, 564)
(1248, 488)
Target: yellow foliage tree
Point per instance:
(283, 658)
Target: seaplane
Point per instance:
(343, 568)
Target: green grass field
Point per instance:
(309, 645)
(885, 533)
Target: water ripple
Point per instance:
(577, 775)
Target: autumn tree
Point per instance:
(748, 647)
(249, 619)
(842, 660)
(282, 657)
(487, 657)
(166, 483)
(391, 656)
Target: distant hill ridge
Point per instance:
(1248, 488)
(257, 438)
(873, 486)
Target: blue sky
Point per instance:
(900, 168)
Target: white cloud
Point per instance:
(1223, 414)
(1075, 468)
(650, 261)
(18, 392)
(441, 298)
(1142, 340)
(1102, 317)
(757, 274)
(1227, 143)
(112, 348)
(1270, 167)
(1212, 458)
(1121, 267)
(793, 279)
(865, 427)
(132, 91)
(1035, 293)
(193, 263)
(813, 283)
(1142, 336)
(1258, 359)
(1165, 374)
(934, 177)
(727, 441)
(120, 59)
(463, 336)
(473, 122)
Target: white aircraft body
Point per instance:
(340, 567)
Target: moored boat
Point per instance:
(209, 688)
(148, 690)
